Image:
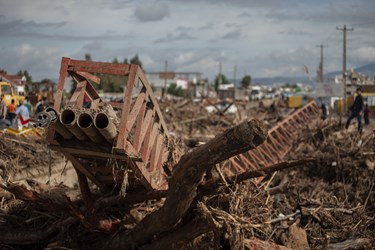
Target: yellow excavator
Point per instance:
(7, 90)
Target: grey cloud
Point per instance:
(118, 4)
(245, 14)
(19, 26)
(151, 12)
(295, 32)
(33, 30)
(179, 37)
(233, 35)
(207, 26)
(232, 25)
(245, 3)
(94, 46)
(183, 28)
(335, 13)
(299, 55)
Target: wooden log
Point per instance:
(186, 177)
(182, 235)
(361, 243)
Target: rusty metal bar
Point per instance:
(138, 133)
(277, 145)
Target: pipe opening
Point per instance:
(67, 116)
(84, 120)
(101, 120)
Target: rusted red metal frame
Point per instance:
(141, 116)
(278, 143)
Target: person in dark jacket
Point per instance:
(356, 110)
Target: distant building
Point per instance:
(159, 80)
(18, 82)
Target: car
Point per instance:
(256, 94)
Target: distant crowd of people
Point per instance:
(18, 117)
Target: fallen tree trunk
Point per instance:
(186, 177)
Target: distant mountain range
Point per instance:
(368, 70)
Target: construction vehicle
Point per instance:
(7, 90)
(38, 90)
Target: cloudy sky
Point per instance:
(263, 38)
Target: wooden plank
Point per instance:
(58, 96)
(145, 83)
(84, 153)
(145, 126)
(89, 76)
(155, 154)
(77, 164)
(99, 67)
(149, 143)
(138, 104)
(122, 130)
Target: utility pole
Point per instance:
(344, 30)
(320, 75)
(220, 73)
(165, 80)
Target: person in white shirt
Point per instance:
(23, 116)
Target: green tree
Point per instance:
(246, 81)
(220, 79)
(135, 60)
(28, 77)
(115, 60)
(175, 91)
(2, 71)
(125, 61)
(88, 57)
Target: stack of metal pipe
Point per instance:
(82, 125)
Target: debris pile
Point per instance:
(319, 204)
(144, 190)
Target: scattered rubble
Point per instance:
(318, 196)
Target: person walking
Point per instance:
(12, 112)
(28, 105)
(324, 113)
(23, 115)
(3, 108)
(356, 110)
(366, 114)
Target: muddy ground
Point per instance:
(325, 204)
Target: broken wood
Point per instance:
(210, 186)
(356, 244)
(186, 177)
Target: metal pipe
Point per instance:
(105, 127)
(49, 118)
(68, 118)
(86, 124)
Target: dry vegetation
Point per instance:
(327, 203)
